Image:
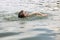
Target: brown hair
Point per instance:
(21, 14)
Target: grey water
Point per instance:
(30, 28)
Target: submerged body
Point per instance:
(23, 14)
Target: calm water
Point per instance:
(30, 28)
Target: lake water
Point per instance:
(30, 28)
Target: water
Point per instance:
(30, 28)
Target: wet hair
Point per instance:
(21, 14)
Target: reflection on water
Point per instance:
(44, 36)
(30, 28)
(49, 35)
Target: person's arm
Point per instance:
(34, 14)
(39, 14)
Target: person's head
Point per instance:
(21, 14)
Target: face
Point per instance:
(25, 13)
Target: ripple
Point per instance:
(8, 34)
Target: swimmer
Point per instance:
(23, 14)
